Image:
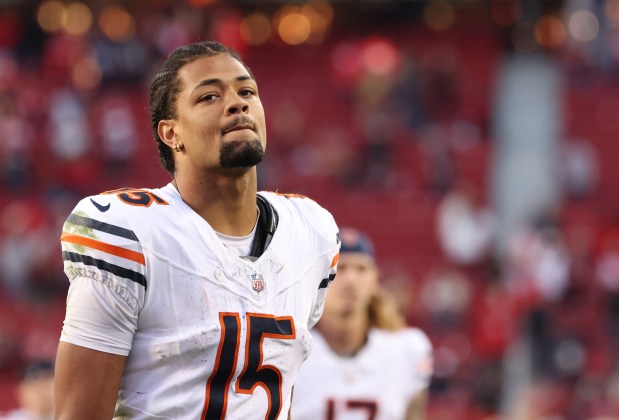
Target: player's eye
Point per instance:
(246, 92)
(207, 97)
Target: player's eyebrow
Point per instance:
(209, 82)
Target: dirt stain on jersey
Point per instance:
(79, 230)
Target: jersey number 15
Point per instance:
(254, 374)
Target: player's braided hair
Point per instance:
(166, 86)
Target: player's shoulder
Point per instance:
(120, 205)
(298, 204)
(409, 345)
(304, 209)
(115, 215)
(418, 348)
(417, 339)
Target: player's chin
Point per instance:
(241, 153)
(347, 312)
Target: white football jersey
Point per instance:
(377, 383)
(208, 334)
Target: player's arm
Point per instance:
(105, 264)
(86, 382)
(417, 406)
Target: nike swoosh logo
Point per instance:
(99, 207)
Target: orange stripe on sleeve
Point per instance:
(335, 260)
(102, 246)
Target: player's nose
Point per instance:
(236, 105)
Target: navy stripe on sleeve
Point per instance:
(101, 226)
(111, 268)
(325, 282)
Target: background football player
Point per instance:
(366, 364)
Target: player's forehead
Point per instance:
(355, 259)
(221, 67)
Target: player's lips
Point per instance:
(239, 127)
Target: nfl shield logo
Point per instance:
(257, 283)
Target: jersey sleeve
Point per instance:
(327, 278)
(419, 349)
(105, 264)
(328, 245)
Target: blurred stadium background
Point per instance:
(475, 141)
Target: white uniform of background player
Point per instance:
(357, 370)
(203, 328)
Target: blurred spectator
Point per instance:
(22, 245)
(580, 169)
(167, 31)
(15, 145)
(537, 260)
(465, 226)
(440, 90)
(35, 393)
(9, 347)
(537, 275)
(406, 96)
(378, 132)
(438, 160)
(446, 295)
(124, 61)
(118, 130)
(606, 268)
(379, 125)
(69, 132)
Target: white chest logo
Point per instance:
(257, 283)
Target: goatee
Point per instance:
(241, 154)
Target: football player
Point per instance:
(365, 363)
(193, 301)
(35, 393)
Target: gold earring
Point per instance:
(178, 147)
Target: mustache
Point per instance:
(240, 120)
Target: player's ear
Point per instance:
(167, 132)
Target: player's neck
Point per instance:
(227, 203)
(345, 335)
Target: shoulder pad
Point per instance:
(99, 242)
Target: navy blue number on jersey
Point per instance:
(370, 407)
(254, 374)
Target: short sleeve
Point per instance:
(98, 317)
(419, 352)
(321, 233)
(330, 240)
(104, 262)
(327, 278)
